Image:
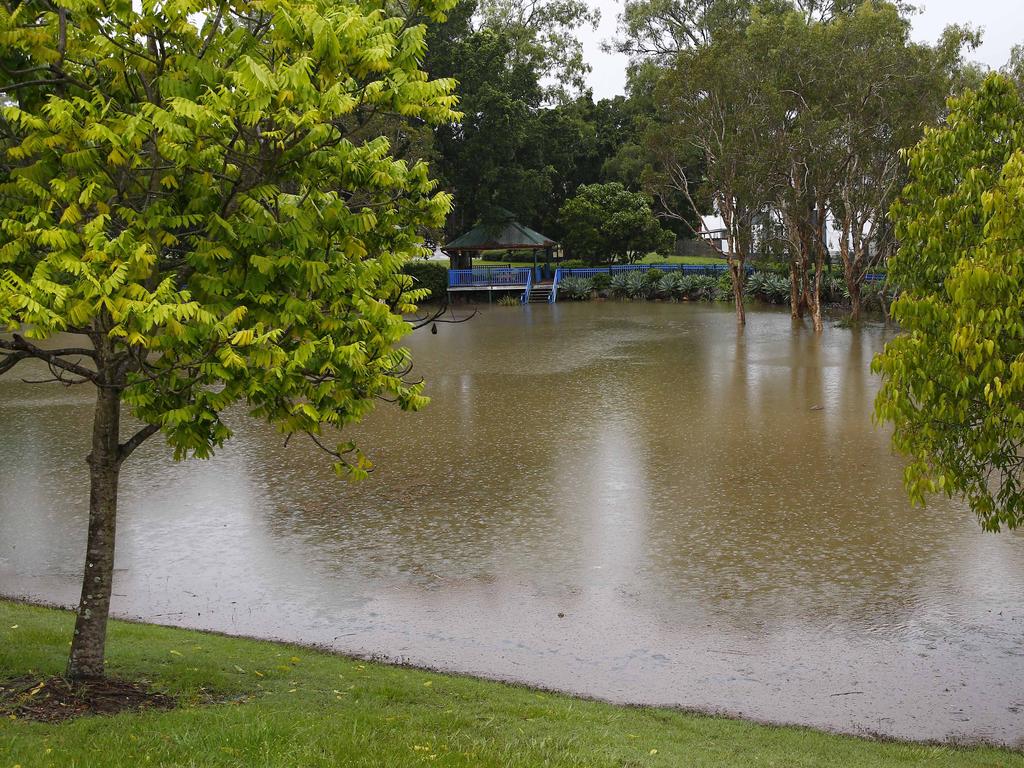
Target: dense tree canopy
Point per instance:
(789, 119)
(212, 209)
(605, 221)
(520, 145)
(953, 381)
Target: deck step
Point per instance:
(539, 294)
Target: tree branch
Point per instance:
(54, 357)
(127, 448)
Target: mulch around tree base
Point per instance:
(54, 699)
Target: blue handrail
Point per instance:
(553, 296)
(525, 298)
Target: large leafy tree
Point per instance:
(608, 221)
(193, 192)
(512, 148)
(953, 380)
(543, 36)
(479, 156)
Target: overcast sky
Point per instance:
(1000, 20)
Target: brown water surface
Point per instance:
(629, 501)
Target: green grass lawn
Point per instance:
(280, 705)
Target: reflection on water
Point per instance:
(714, 514)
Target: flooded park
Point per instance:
(630, 501)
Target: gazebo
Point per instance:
(498, 231)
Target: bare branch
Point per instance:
(53, 357)
(438, 317)
(10, 360)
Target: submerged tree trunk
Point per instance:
(818, 249)
(814, 300)
(87, 645)
(852, 260)
(738, 273)
(794, 291)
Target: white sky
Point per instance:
(1002, 23)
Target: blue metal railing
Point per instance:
(488, 277)
(553, 296)
(690, 269)
(525, 298)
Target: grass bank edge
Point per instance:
(279, 704)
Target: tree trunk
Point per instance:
(814, 300)
(737, 273)
(794, 292)
(852, 261)
(87, 645)
(854, 288)
(805, 284)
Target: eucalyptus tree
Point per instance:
(712, 138)
(659, 30)
(850, 91)
(791, 79)
(1014, 67)
(889, 89)
(544, 35)
(188, 189)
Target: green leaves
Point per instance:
(608, 221)
(211, 205)
(953, 382)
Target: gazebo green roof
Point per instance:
(499, 231)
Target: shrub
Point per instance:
(700, 287)
(637, 286)
(619, 284)
(771, 287)
(876, 296)
(602, 281)
(575, 288)
(671, 286)
(723, 287)
(431, 275)
(652, 276)
(510, 300)
(833, 289)
(573, 264)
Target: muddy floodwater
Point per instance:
(628, 501)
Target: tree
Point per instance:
(1014, 68)
(608, 221)
(953, 380)
(797, 113)
(543, 35)
(512, 148)
(712, 122)
(889, 88)
(479, 156)
(660, 29)
(203, 209)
